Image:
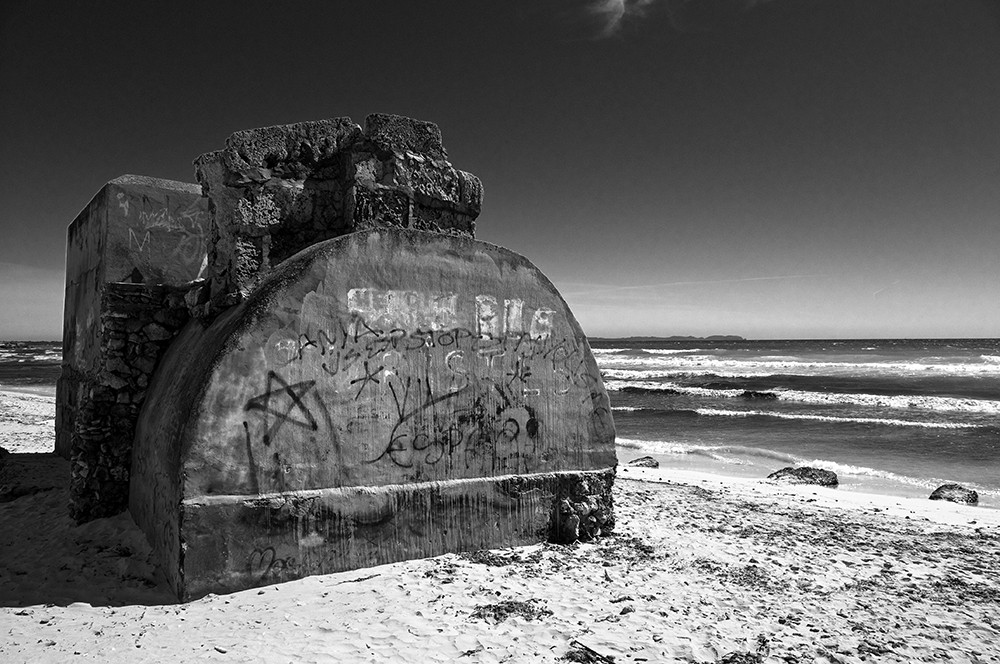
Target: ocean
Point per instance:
(31, 366)
(897, 416)
(890, 416)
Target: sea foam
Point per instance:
(680, 363)
(719, 412)
(740, 455)
(899, 401)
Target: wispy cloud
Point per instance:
(611, 13)
(684, 15)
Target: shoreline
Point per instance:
(905, 507)
(41, 390)
(865, 485)
(700, 566)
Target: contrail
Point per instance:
(885, 287)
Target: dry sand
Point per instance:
(700, 567)
(27, 420)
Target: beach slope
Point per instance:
(702, 567)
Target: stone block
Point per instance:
(380, 207)
(472, 193)
(441, 220)
(432, 182)
(292, 150)
(156, 332)
(398, 133)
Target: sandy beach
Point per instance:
(701, 568)
(27, 419)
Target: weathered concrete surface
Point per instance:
(384, 395)
(236, 544)
(277, 190)
(131, 252)
(136, 229)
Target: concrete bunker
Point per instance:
(381, 396)
(350, 379)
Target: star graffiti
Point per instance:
(283, 403)
(369, 377)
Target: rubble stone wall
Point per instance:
(137, 324)
(133, 253)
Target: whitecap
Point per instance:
(898, 401)
(865, 471)
(719, 412)
(677, 363)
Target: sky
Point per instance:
(770, 169)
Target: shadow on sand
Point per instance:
(45, 558)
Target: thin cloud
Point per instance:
(684, 15)
(885, 288)
(611, 13)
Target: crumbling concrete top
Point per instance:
(276, 190)
(292, 150)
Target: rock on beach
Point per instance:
(804, 475)
(644, 462)
(956, 493)
(752, 395)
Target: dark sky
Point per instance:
(779, 169)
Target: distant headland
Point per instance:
(712, 337)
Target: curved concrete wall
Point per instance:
(378, 378)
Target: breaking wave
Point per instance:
(897, 401)
(676, 362)
(742, 456)
(718, 412)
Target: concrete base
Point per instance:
(238, 542)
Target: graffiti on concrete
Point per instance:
(402, 370)
(404, 309)
(264, 565)
(279, 401)
(171, 232)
